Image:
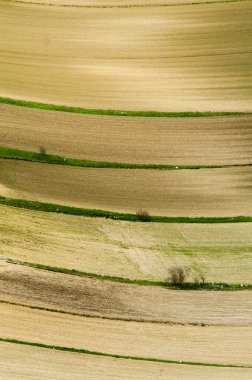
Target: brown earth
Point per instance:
(185, 58)
(206, 192)
(209, 344)
(182, 141)
(24, 362)
(222, 252)
(92, 297)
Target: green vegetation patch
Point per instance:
(84, 351)
(95, 213)
(13, 153)
(184, 286)
(53, 107)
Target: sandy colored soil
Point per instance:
(92, 297)
(205, 141)
(24, 362)
(185, 58)
(206, 192)
(65, 365)
(111, 3)
(132, 250)
(212, 344)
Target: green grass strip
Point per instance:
(53, 107)
(185, 286)
(17, 154)
(95, 213)
(118, 356)
(124, 6)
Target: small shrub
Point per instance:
(143, 215)
(200, 279)
(42, 150)
(178, 274)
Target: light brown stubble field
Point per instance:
(184, 58)
(205, 192)
(91, 297)
(178, 141)
(23, 362)
(132, 250)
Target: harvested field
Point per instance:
(91, 297)
(29, 363)
(124, 249)
(208, 192)
(161, 58)
(178, 141)
(115, 3)
(209, 344)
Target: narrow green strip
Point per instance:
(185, 286)
(24, 155)
(124, 6)
(53, 107)
(51, 207)
(83, 351)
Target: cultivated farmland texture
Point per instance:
(126, 189)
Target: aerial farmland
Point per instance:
(126, 189)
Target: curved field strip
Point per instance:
(106, 299)
(124, 249)
(47, 55)
(120, 3)
(208, 192)
(218, 344)
(18, 360)
(175, 141)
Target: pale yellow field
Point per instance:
(132, 250)
(205, 192)
(84, 296)
(213, 344)
(184, 141)
(184, 58)
(24, 362)
(113, 3)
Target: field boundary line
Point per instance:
(93, 111)
(44, 158)
(110, 318)
(96, 213)
(186, 286)
(135, 320)
(118, 356)
(160, 5)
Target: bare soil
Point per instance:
(185, 58)
(206, 192)
(34, 287)
(24, 362)
(212, 344)
(178, 141)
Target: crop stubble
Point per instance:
(163, 58)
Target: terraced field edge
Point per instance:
(24, 155)
(88, 352)
(123, 6)
(91, 111)
(185, 286)
(95, 213)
